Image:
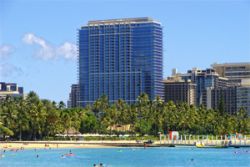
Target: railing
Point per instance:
(209, 141)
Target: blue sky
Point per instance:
(38, 38)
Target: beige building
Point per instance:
(10, 89)
(235, 72)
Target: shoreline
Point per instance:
(66, 144)
(90, 144)
(75, 144)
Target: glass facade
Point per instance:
(121, 59)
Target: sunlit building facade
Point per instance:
(235, 72)
(10, 89)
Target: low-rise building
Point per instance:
(10, 89)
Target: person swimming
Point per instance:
(100, 165)
(69, 154)
(2, 156)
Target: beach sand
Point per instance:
(48, 145)
(67, 144)
(97, 144)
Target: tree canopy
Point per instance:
(33, 118)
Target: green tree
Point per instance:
(242, 121)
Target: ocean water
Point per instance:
(128, 157)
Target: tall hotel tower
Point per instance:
(120, 58)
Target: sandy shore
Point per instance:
(49, 144)
(102, 144)
(68, 144)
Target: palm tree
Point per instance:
(36, 113)
(5, 131)
(61, 105)
(52, 123)
(170, 116)
(242, 120)
(123, 112)
(9, 113)
(142, 107)
(22, 117)
(157, 115)
(100, 105)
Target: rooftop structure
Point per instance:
(122, 21)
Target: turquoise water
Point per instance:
(128, 157)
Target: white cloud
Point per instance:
(5, 50)
(47, 51)
(67, 50)
(7, 70)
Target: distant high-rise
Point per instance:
(238, 74)
(73, 96)
(243, 95)
(226, 85)
(180, 91)
(203, 79)
(120, 58)
(223, 96)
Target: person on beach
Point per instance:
(101, 165)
